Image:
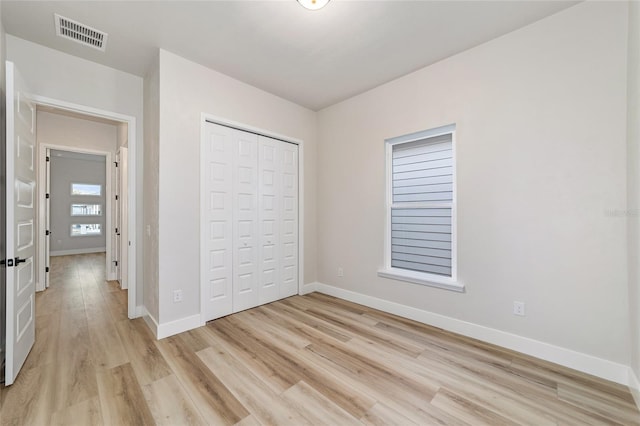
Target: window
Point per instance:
(86, 209)
(420, 245)
(86, 229)
(86, 189)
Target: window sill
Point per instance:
(422, 279)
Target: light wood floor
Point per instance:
(304, 360)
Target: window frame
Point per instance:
(416, 277)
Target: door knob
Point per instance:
(19, 261)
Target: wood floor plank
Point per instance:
(106, 344)
(381, 415)
(294, 367)
(145, 358)
(86, 413)
(170, 404)
(267, 363)
(285, 306)
(264, 404)
(315, 407)
(121, 399)
(214, 400)
(75, 369)
(468, 411)
(31, 399)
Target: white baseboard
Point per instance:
(634, 387)
(78, 251)
(151, 322)
(569, 358)
(178, 326)
(308, 288)
(140, 311)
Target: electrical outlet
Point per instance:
(177, 296)
(340, 272)
(518, 308)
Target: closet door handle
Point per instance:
(19, 261)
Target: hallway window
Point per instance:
(86, 209)
(86, 229)
(86, 189)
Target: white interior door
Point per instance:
(245, 220)
(115, 222)
(217, 210)
(21, 185)
(122, 242)
(47, 220)
(289, 220)
(270, 193)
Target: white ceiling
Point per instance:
(313, 58)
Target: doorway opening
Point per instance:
(83, 176)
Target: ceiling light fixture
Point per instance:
(313, 4)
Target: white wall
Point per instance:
(540, 117)
(60, 76)
(187, 90)
(65, 171)
(72, 132)
(633, 189)
(151, 180)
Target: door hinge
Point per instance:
(46, 195)
(46, 269)
(47, 232)
(117, 231)
(115, 262)
(116, 197)
(48, 159)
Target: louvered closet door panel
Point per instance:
(289, 220)
(217, 259)
(270, 207)
(245, 214)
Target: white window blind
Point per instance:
(422, 205)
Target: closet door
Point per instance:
(270, 207)
(288, 157)
(217, 193)
(245, 218)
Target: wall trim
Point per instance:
(178, 326)
(566, 357)
(634, 387)
(140, 311)
(308, 288)
(78, 251)
(149, 320)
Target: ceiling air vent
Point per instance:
(73, 30)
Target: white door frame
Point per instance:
(244, 127)
(132, 143)
(42, 210)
